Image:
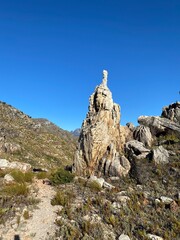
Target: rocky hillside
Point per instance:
(35, 141)
(125, 181)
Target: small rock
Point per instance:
(166, 200)
(174, 206)
(8, 178)
(46, 181)
(123, 199)
(108, 185)
(157, 201)
(124, 237)
(114, 178)
(116, 205)
(100, 181)
(154, 237)
(122, 193)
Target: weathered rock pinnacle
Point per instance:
(99, 145)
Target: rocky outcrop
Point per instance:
(159, 125)
(5, 164)
(99, 145)
(172, 112)
(143, 134)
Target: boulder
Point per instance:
(172, 112)
(143, 134)
(160, 155)
(99, 144)
(136, 149)
(159, 125)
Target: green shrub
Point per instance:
(61, 177)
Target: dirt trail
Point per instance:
(41, 225)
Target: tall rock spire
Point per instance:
(99, 145)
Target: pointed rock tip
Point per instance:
(105, 76)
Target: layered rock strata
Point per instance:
(99, 145)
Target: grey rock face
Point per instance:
(136, 149)
(160, 155)
(99, 143)
(159, 125)
(172, 112)
(143, 134)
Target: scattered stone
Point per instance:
(100, 181)
(160, 155)
(143, 134)
(99, 144)
(166, 200)
(108, 185)
(123, 199)
(124, 237)
(8, 178)
(46, 181)
(122, 193)
(114, 178)
(154, 237)
(9, 147)
(174, 206)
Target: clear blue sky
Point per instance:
(52, 53)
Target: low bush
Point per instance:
(61, 176)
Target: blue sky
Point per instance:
(52, 53)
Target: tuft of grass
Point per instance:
(21, 177)
(26, 214)
(94, 186)
(15, 190)
(63, 198)
(42, 175)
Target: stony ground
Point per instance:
(40, 225)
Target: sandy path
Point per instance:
(41, 225)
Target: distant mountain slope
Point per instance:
(35, 141)
(76, 132)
